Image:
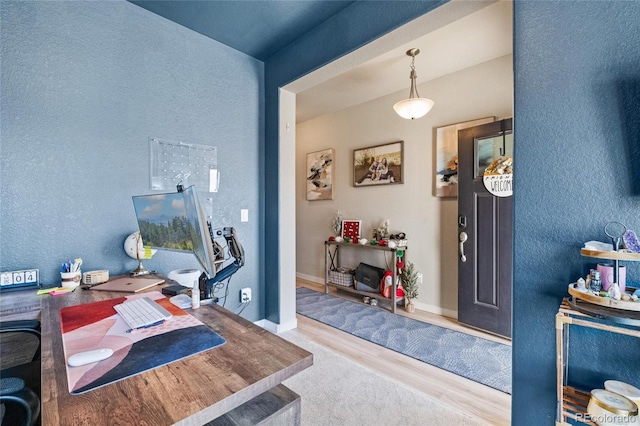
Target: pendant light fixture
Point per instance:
(415, 106)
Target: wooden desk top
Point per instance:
(191, 391)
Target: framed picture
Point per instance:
(446, 155)
(320, 175)
(378, 165)
(351, 229)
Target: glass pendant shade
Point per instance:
(413, 108)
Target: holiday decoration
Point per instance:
(383, 231)
(337, 223)
(410, 285)
(351, 229)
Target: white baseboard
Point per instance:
(310, 278)
(277, 328)
(436, 310)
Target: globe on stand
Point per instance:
(135, 249)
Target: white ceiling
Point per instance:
(469, 41)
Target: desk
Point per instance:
(246, 372)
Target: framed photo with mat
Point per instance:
(378, 165)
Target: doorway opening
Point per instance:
(440, 230)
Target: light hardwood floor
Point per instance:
(479, 401)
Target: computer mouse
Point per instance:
(83, 358)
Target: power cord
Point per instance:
(245, 304)
(222, 285)
(226, 292)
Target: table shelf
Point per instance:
(332, 260)
(574, 405)
(571, 402)
(615, 256)
(379, 297)
(611, 255)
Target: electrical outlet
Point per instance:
(245, 295)
(419, 277)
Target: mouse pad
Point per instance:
(97, 325)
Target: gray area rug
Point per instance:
(474, 358)
(332, 392)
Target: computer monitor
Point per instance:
(175, 221)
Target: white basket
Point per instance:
(341, 276)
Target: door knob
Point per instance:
(463, 238)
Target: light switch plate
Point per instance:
(214, 180)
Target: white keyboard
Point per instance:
(142, 312)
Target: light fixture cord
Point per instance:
(413, 92)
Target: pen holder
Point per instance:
(70, 279)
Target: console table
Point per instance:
(237, 383)
(332, 257)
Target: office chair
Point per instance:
(20, 382)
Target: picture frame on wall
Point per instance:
(320, 175)
(352, 229)
(379, 164)
(445, 182)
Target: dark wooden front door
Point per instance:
(485, 223)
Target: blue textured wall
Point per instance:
(577, 116)
(83, 87)
(352, 28)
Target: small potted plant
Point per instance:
(409, 278)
